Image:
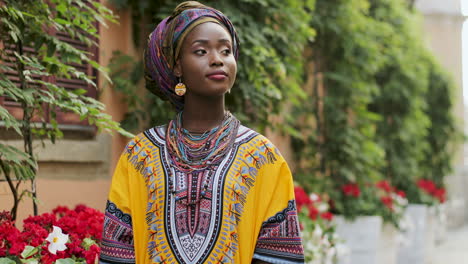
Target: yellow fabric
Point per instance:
(137, 182)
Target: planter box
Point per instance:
(440, 223)
(388, 245)
(362, 237)
(419, 236)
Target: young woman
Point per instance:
(203, 188)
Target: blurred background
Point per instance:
(366, 99)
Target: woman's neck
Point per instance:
(202, 115)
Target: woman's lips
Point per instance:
(217, 77)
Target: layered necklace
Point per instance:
(193, 154)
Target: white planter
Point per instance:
(419, 236)
(388, 245)
(440, 223)
(361, 237)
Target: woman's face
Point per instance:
(206, 62)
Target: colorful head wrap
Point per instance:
(164, 45)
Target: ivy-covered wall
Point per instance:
(379, 107)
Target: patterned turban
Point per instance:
(164, 45)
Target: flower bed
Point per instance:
(63, 236)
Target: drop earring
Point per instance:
(180, 88)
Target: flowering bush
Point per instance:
(425, 191)
(42, 240)
(321, 244)
(430, 192)
(379, 198)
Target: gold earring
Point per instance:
(180, 88)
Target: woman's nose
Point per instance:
(216, 59)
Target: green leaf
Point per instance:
(15, 156)
(65, 261)
(30, 261)
(29, 251)
(6, 261)
(88, 242)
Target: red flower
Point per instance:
(427, 185)
(60, 211)
(33, 234)
(92, 254)
(387, 201)
(400, 193)
(440, 194)
(384, 185)
(301, 197)
(327, 216)
(351, 189)
(313, 212)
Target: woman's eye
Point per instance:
(200, 52)
(226, 51)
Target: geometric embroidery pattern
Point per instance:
(279, 240)
(117, 239)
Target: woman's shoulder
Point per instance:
(246, 133)
(155, 135)
(254, 139)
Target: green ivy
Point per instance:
(443, 134)
(341, 145)
(371, 81)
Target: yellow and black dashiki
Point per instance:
(248, 212)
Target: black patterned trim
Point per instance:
(112, 209)
(281, 216)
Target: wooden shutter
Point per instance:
(63, 117)
(74, 84)
(11, 105)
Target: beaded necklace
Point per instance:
(194, 154)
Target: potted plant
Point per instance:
(422, 213)
(365, 214)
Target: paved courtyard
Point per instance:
(454, 248)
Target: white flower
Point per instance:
(317, 234)
(322, 207)
(57, 240)
(330, 254)
(314, 197)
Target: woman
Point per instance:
(202, 189)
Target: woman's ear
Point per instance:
(177, 69)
